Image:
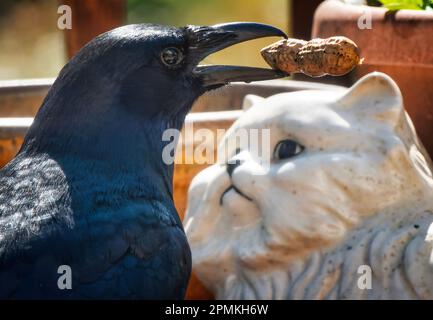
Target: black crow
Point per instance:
(88, 194)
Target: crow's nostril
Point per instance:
(232, 165)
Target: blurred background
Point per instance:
(31, 45)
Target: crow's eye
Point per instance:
(287, 149)
(171, 56)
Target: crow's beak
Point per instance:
(207, 40)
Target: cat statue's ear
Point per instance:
(250, 100)
(375, 96)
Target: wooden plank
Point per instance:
(91, 18)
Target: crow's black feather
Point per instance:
(89, 188)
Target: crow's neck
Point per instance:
(122, 143)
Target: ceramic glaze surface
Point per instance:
(359, 193)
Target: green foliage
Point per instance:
(405, 4)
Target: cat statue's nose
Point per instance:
(233, 162)
(232, 165)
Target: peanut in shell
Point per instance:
(318, 57)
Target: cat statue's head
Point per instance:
(337, 158)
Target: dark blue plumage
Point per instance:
(89, 188)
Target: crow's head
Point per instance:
(153, 69)
(118, 94)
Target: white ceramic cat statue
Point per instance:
(345, 210)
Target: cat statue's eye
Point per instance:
(287, 149)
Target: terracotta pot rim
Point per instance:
(398, 38)
(377, 13)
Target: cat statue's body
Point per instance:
(343, 212)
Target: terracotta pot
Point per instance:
(21, 100)
(399, 44)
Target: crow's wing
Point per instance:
(34, 202)
(134, 249)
